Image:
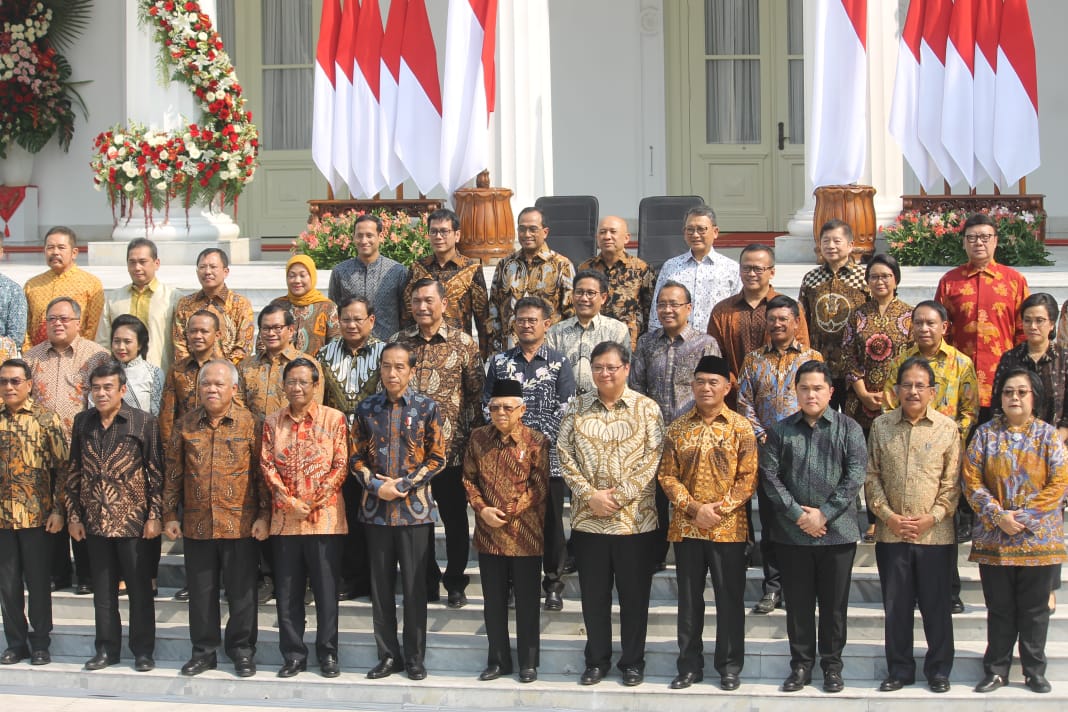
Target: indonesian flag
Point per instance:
(470, 80)
(905, 107)
(417, 139)
(323, 101)
(392, 168)
(343, 96)
(839, 93)
(364, 148)
(987, 29)
(1016, 107)
(932, 85)
(958, 107)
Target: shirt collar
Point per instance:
(513, 436)
(287, 354)
(926, 416)
(311, 414)
(227, 417)
(970, 270)
(69, 349)
(740, 301)
(222, 297)
(627, 400)
(710, 258)
(150, 288)
(795, 346)
(26, 407)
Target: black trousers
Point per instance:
(694, 559)
(314, 558)
(61, 547)
(910, 573)
(839, 396)
(522, 573)
(812, 574)
(451, 498)
(1017, 607)
(627, 561)
(231, 562)
(663, 519)
(555, 555)
(768, 555)
(354, 573)
(25, 555)
(409, 546)
(128, 559)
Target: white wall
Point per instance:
(1048, 20)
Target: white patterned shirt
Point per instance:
(576, 343)
(710, 281)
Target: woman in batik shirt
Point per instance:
(314, 316)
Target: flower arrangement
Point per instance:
(37, 98)
(329, 241)
(934, 238)
(214, 158)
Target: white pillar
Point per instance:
(653, 116)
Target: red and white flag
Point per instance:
(932, 85)
(958, 107)
(470, 82)
(987, 29)
(363, 148)
(324, 90)
(417, 137)
(905, 107)
(392, 169)
(1016, 147)
(343, 67)
(839, 125)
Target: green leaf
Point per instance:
(70, 19)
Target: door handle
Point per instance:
(782, 136)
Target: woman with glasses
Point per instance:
(314, 315)
(1015, 473)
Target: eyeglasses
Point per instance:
(980, 237)
(880, 277)
(755, 269)
(61, 319)
(908, 387)
(275, 329)
(1011, 393)
(295, 383)
(601, 368)
(354, 320)
(529, 229)
(1035, 321)
(439, 232)
(16, 382)
(671, 306)
(526, 320)
(587, 293)
(502, 408)
(696, 230)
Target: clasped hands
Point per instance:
(812, 522)
(910, 528)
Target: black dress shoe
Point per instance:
(386, 667)
(292, 667)
(939, 683)
(100, 661)
(181, 594)
(198, 665)
(528, 674)
(1038, 683)
(633, 676)
(144, 663)
(768, 603)
(991, 683)
(591, 676)
(891, 684)
(956, 606)
(685, 679)
(832, 682)
(797, 680)
(328, 666)
(40, 657)
(416, 671)
(492, 672)
(10, 657)
(570, 566)
(244, 666)
(83, 589)
(730, 681)
(457, 599)
(660, 566)
(554, 601)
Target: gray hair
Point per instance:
(234, 377)
(69, 300)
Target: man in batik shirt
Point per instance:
(234, 310)
(63, 279)
(373, 275)
(630, 279)
(576, 336)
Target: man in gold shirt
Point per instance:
(709, 473)
(63, 279)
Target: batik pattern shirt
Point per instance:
(235, 317)
(9, 348)
(349, 376)
(630, 291)
(179, 393)
(828, 299)
(740, 329)
(116, 473)
(13, 312)
(61, 378)
(710, 281)
(821, 466)
(705, 463)
(33, 465)
(576, 342)
(984, 316)
(870, 344)
(449, 370)
(547, 274)
(511, 473)
(1011, 470)
(313, 324)
(766, 385)
(382, 282)
(914, 469)
(75, 283)
(465, 288)
(662, 368)
(1052, 370)
(262, 390)
(400, 440)
(306, 460)
(956, 394)
(602, 448)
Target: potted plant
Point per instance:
(934, 238)
(329, 240)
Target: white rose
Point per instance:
(129, 187)
(225, 175)
(122, 152)
(194, 152)
(203, 36)
(164, 155)
(161, 186)
(209, 97)
(119, 139)
(130, 169)
(156, 174)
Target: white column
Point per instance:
(653, 117)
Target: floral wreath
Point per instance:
(199, 163)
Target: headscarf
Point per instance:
(313, 295)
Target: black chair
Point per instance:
(660, 226)
(572, 221)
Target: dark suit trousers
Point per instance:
(1017, 606)
(555, 556)
(232, 562)
(354, 572)
(910, 573)
(812, 574)
(523, 573)
(61, 547)
(451, 498)
(626, 560)
(25, 555)
(768, 554)
(409, 546)
(694, 559)
(300, 558)
(128, 559)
